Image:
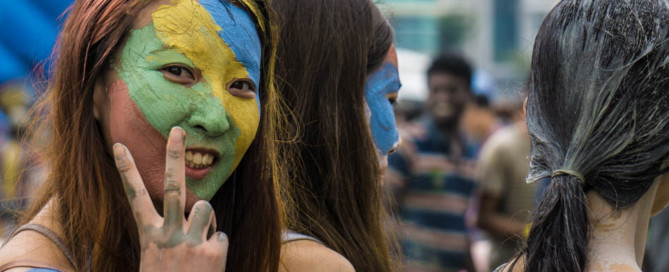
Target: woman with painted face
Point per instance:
(598, 117)
(131, 78)
(337, 71)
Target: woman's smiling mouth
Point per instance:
(200, 161)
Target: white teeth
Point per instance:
(198, 160)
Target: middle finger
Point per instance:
(175, 180)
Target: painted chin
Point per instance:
(200, 161)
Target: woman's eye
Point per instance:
(178, 74)
(393, 102)
(392, 99)
(242, 88)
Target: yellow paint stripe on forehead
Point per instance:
(188, 27)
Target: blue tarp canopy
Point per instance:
(29, 32)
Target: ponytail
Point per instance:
(598, 108)
(560, 226)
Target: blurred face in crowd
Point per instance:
(381, 90)
(447, 98)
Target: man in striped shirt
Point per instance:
(433, 173)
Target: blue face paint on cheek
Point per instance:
(239, 33)
(382, 120)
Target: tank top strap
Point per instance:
(288, 236)
(44, 231)
(35, 266)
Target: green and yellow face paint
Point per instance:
(195, 65)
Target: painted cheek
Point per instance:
(127, 125)
(245, 115)
(160, 101)
(382, 117)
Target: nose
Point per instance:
(210, 118)
(396, 146)
(442, 96)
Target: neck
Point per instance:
(49, 217)
(449, 128)
(618, 236)
(522, 126)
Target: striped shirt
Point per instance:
(438, 179)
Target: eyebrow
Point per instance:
(173, 52)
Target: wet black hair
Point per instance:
(598, 117)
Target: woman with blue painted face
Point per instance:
(337, 71)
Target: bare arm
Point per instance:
(495, 223)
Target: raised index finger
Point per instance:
(175, 180)
(140, 202)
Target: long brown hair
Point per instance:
(95, 216)
(326, 50)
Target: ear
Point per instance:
(97, 92)
(99, 97)
(662, 195)
(525, 106)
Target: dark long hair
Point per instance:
(95, 214)
(598, 116)
(326, 50)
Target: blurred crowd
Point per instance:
(21, 170)
(25, 50)
(457, 180)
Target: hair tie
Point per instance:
(562, 172)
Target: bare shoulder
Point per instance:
(514, 265)
(31, 247)
(308, 255)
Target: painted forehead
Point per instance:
(385, 80)
(180, 19)
(239, 33)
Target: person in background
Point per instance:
(433, 173)
(481, 119)
(337, 71)
(505, 199)
(598, 119)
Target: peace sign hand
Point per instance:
(172, 243)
